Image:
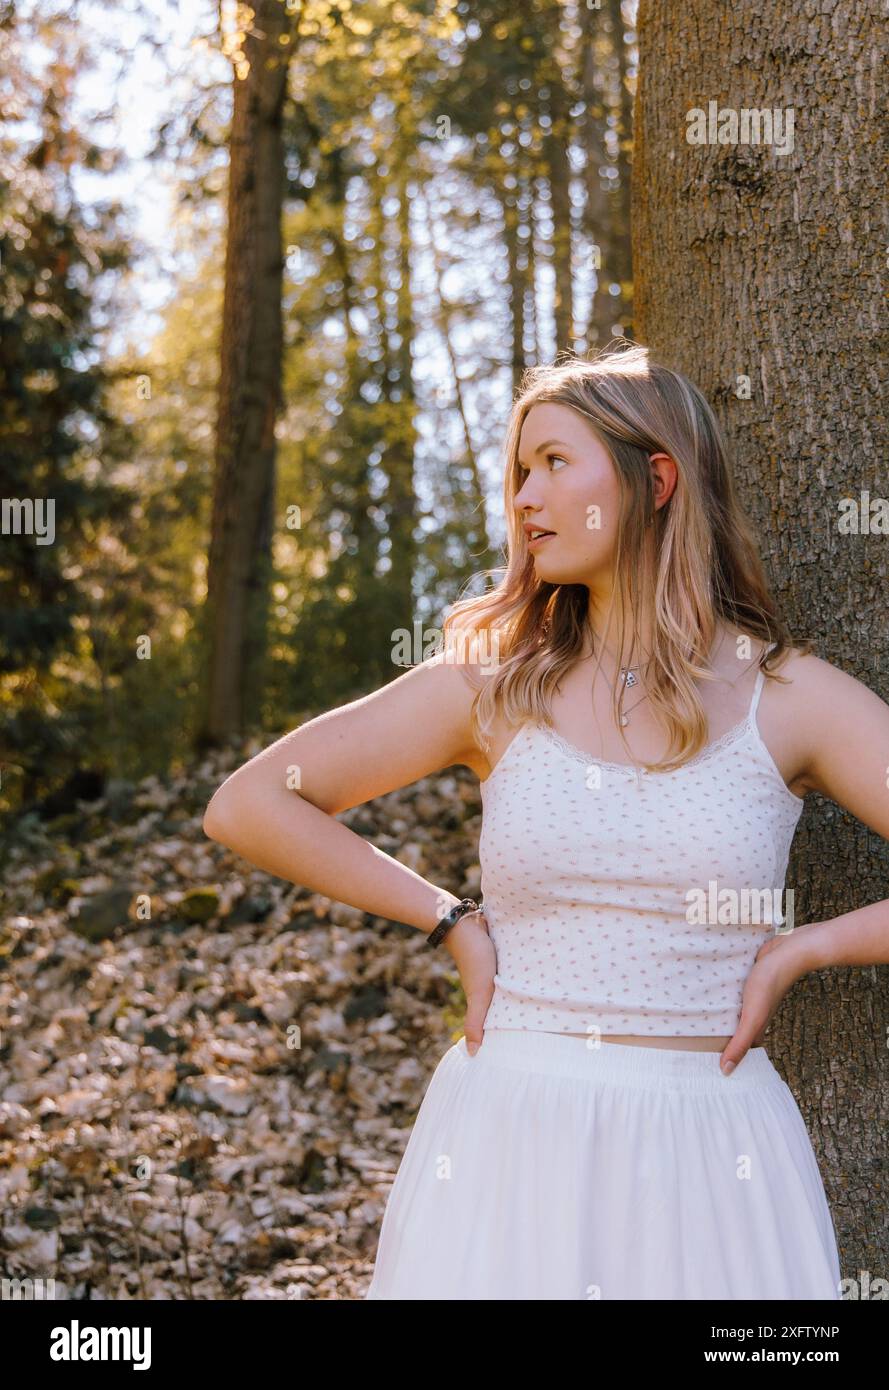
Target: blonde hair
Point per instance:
(706, 566)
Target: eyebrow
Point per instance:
(546, 445)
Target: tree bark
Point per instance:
(249, 384)
(756, 274)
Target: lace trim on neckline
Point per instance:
(726, 740)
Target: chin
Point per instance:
(548, 563)
(554, 574)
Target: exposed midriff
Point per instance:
(683, 1044)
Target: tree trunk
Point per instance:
(517, 261)
(442, 316)
(398, 459)
(249, 384)
(606, 93)
(559, 173)
(756, 273)
(622, 268)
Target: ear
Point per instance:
(664, 476)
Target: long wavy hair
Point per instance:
(705, 561)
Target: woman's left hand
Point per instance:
(779, 963)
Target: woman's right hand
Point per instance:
(473, 950)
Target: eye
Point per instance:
(549, 458)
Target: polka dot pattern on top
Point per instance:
(615, 897)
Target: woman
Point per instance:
(643, 771)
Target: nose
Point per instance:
(524, 499)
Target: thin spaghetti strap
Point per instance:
(757, 691)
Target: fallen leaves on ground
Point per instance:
(208, 1075)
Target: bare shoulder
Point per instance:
(812, 678)
(461, 685)
(825, 721)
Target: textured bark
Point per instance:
(750, 263)
(249, 384)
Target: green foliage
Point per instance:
(415, 142)
(57, 494)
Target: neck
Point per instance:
(605, 637)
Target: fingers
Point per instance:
(731, 1057)
(736, 1048)
(474, 1024)
(474, 1032)
(750, 1031)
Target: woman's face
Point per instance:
(570, 488)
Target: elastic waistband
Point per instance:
(627, 1063)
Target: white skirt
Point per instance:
(546, 1168)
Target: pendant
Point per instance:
(625, 719)
(629, 678)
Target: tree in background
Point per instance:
(758, 269)
(239, 568)
(396, 160)
(447, 179)
(54, 258)
(608, 88)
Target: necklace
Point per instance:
(627, 678)
(625, 714)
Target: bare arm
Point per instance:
(846, 728)
(278, 809)
(842, 728)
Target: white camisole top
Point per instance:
(615, 896)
